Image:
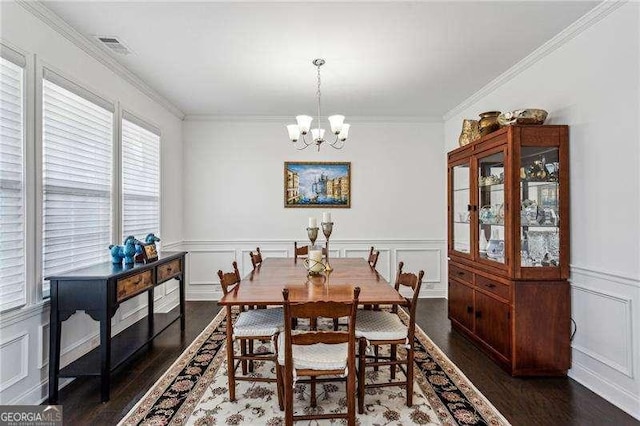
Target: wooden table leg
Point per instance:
(230, 370)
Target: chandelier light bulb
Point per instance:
(336, 122)
(294, 132)
(344, 132)
(317, 134)
(304, 123)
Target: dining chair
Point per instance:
(256, 258)
(303, 251)
(372, 260)
(250, 325)
(378, 327)
(315, 354)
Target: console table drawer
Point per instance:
(135, 284)
(169, 270)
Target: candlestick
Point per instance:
(327, 229)
(312, 233)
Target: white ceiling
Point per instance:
(384, 59)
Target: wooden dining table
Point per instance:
(264, 284)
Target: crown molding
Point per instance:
(289, 119)
(585, 22)
(46, 15)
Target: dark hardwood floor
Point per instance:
(546, 401)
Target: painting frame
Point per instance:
(296, 201)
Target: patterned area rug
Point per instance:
(194, 391)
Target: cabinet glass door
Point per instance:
(461, 202)
(539, 207)
(491, 207)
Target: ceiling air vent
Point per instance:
(114, 44)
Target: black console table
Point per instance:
(98, 290)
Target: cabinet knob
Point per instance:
(478, 314)
(469, 309)
(490, 285)
(460, 273)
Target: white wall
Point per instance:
(234, 197)
(24, 333)
(591, 83)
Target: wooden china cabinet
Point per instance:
(508, 247)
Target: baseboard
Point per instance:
(610, 391)
(168, 302)
(39, 393)
(203, 295)
(439, 293)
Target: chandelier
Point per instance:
(338, 127)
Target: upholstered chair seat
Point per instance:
(379, 325)
(258, 322)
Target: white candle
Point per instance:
(313, 223)
(315, 260)
(326, 217)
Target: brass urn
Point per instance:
(489, 122)
(470, 132)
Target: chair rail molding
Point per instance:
(207, 256)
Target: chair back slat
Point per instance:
(256, 257)
(413, 281)
(300, 251)
(228, 280)
(328, 337)
(320, 309)
(304, 250)
(373, 257)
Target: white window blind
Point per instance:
(12, 212)
(77, 176)
(140, 178)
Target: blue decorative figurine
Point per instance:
(116, 254)
(151, 238)
(129, 250)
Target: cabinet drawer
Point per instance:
(460, 274)
(494, 287)
(168, 270)
(135, 284)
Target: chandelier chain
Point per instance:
(319, 95)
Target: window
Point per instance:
(12, 208)
(140, 178)
(77, 176)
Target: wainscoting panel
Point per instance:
(14, 351)
(606, 347)
(206, 257)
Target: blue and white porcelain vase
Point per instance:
(495, 248)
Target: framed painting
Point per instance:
(317, 184)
